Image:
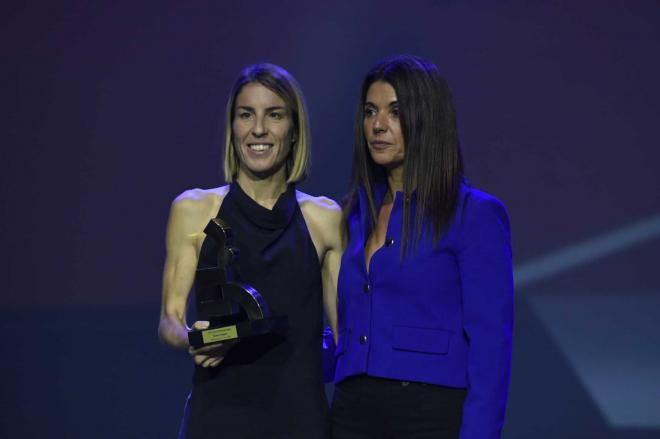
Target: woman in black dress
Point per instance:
(290, 250)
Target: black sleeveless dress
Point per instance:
(269, 386)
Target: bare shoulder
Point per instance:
(197, 199)
(323, 217)
(192, 209)
(322, 209)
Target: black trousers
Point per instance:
(364, 407)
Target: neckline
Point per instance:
(272, 219)
(368, 260)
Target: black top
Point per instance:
(267, 386)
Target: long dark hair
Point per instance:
(433, 164)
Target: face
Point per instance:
(382, 127)
(261, 130)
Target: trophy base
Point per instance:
(236, 331)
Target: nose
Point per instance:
(379, 125)
(258, 129)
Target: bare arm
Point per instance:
(183, 232)
(323, 218)
(189, 215)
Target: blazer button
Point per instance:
(366, 288)
(389, 242)
(363, 339)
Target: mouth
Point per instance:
(378, 144)
(258, 147)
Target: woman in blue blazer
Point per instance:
(425, 289)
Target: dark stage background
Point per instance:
(111, 109)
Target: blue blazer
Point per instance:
(442, 315)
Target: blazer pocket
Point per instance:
(426, 340)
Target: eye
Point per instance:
(395, 111)
(369, 111)
(244, 115)
(277, 115)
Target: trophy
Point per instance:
(234, 310)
